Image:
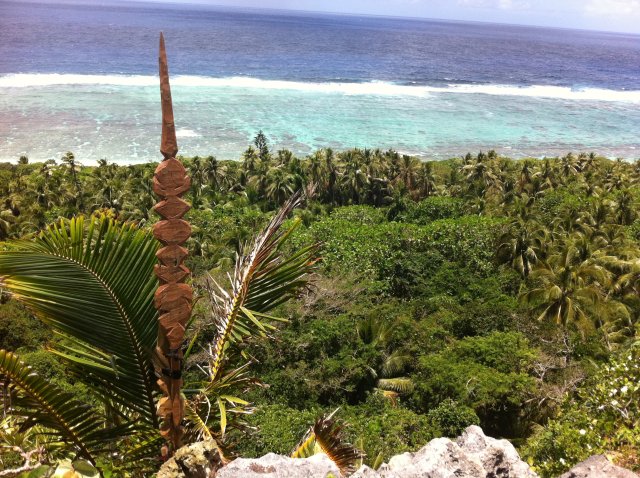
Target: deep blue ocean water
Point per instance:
(83, 78)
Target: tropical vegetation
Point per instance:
(477, 290)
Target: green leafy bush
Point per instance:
(604, 417)
(432, 209)
(488, 374)
(316, 362)
(402, 255)
(19, 329)
(384, 429)
(361, 215)
(278, 429)
(559, 203)
(451, 418)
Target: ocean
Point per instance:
(83, 78)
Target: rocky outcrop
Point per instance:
(598, 467)
(441, 458)
(277, 466)
(472, 455)
(198, 460)
(498, 458)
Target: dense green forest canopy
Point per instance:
(478, 290)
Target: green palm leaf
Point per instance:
(94, 284)
(395, 363)
(56, 412)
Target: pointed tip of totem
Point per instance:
(169, 144)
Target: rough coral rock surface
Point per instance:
(277, 466)
(198, 460)
(498, 458)
(598, 467)
(472, 455)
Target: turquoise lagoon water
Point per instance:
(118, 117)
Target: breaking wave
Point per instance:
(373, 88)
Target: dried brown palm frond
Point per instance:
(325, 436)
(263, 279)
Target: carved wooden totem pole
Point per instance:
(173, 297)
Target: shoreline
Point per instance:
(502, 152)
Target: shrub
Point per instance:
(359, 215)
(451, 418)
(19, 329)
(320, 361)
(401, 255)
(384, 429)
(433, 208)
(488, 374)
(278, 429)
(603, 417)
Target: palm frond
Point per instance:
(375, 331)
(142, 449)
(92, 281)
(400, 385)
(263, 279)
(391, 396)
(325, 436)
(307, 446)
(56, 412)
(213, 402)
(197, 427)
(395, 363)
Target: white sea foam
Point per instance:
(186, 133)
(22, 80)
(373, 88)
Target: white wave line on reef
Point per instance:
(372, 88)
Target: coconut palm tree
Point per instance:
(548, 173)
(314, 169)
(140, 198)
(482, 180)
(525, 177)
(597, 214)
(625, 210)
(387, 373)
(7, 221)
(587, 162)
(72, 166)
(354, 181)
(523, 245)
(426, 179)
(279, 185)
(569, 166)
(568, 289)
(249, 160)
(408, 172)
(332, 173)
(213, 173)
